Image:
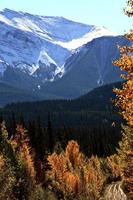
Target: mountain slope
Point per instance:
(94, 107)
(10, 94)
(86, 69)
(97, 99)
(39, 45)
(90, 67)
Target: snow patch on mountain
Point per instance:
(25, 24)
(5, 20)
(94, 33)
(3, 67)
(45, 58)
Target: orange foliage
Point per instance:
(114, 163)
(129, 9)
(125, 95)
(27, 159)
(2, 161)
(20, 144)
(125, 102)
(75, 175)
(73, 154)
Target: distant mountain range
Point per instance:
(45, 57)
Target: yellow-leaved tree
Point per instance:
(125, 102)
(74, 176)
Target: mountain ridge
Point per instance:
(35, 55)
(48, 32)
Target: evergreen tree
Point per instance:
(7, 178)
(24, 171)
(50, 135)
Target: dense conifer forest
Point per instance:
(96, 107)
(91, 120)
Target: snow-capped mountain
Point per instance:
(40, 45)
(45, 57)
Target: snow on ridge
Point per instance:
(3, 67)
(19, 20)
(26, 24)
(5, 20)
(95, 33)
(45, 58)
(39, 25)
(1, 61)
(34, 68)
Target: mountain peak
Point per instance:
(52, 24)
(42, 41)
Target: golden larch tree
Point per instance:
(125, 102)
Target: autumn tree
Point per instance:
(129, 9)
(7, 178)
(74, 175)
(7, 159)
(25, 172)
(125, 102)
(17, 172)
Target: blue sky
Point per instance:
(108, 13)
